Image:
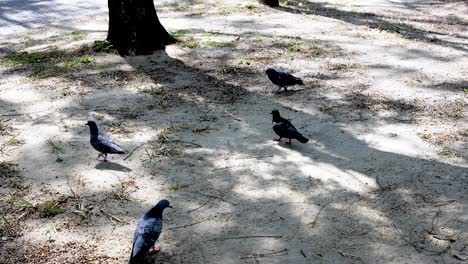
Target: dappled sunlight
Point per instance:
(366, 188)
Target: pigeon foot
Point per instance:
(289, 142)
(277, 139)
(154, 250)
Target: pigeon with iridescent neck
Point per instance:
(284, 129)
(147, 232)
(103, 143)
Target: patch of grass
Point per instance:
(76, 188)
(326, 107)
(120, 129)
(24, 203)
(225, 11)
(46, 64)
(55, 149)
(202, 129)
(465, 90)
(52, 230)
(124, 189)
(190, 43)
(259, 39)
(179, 34)
(49, 209)
(455, 20)
(316, 50)
(162, 150)
(76, 35)
(338, 66)
(242, 61)
(250, 6)
(103, 46)
(286, 2)
(211, 43)
(5, 128)
(295, 46)
(178, 187)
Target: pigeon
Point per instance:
(282, 79)
(147, 232)
(284, 129)
(103, 143)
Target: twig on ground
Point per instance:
(434, 221)
(263, 255)
(245, 237)
(112, 217)
(189, 225)
(133, 150)
(215, 197)
(256, 157)
(232, 166)
(313, 222)
(5, 220)
(303, 254)
(193, 210)
(188, 142)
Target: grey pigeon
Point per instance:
(147, 232)
(282, 79)
(284, 129)
(103, 143)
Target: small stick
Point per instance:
(434, 221)
(242, 237)
(133, 150)
(112, 217)
(5, 220)
(188, 142)
(21, 216)
(303, 254)
(262, 255)
(193, 210)
(318, 213)
(188, 225)
(215, 197)
(81, 213)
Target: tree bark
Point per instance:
(134, 27)
(271, 3)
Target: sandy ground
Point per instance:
(383, 178)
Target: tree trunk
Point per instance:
(271, 3)
(134, 27)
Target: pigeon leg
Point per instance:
(289, 142)
(155, 249)
(105, 157)
(277, 139)
(100, 155)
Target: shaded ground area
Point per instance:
(383, 179)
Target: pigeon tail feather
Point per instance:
(302, 139)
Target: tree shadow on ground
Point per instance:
(374, 21)
(362, 200)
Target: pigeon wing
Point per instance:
(288, 79)
(146, 235)
(109, 145)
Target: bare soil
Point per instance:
(383, 178)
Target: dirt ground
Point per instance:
(383, 178)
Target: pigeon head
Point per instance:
(276, 115)
(270, 71)
(92, 127)
(158, 209)
(163, 204)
